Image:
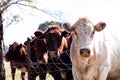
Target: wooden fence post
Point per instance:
(29, 61)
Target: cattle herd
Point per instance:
(83, 51)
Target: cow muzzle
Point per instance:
(52, 54)
(85, 52)
(6, 59)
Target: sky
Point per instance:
(95, 10)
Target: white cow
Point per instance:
(95, 53)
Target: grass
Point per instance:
(17, 76)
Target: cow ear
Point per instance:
(65, 34)
(10, 45)
(19, 47)
(67, 26)
(100, 26)
(39, 34)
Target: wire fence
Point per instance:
(18, 74)
(48, 77)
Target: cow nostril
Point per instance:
(84, 51)
(81, 51)
(89, 51)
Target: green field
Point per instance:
(18, 77)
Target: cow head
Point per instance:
(38, 47)
(16, 52)
(84, 31)
(53, 37)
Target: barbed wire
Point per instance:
(9, 76)
(39, 69)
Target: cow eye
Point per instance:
(75, 33)
(92, 33)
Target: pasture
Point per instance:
(17, 77)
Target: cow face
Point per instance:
(38, 47)
(16, 53)
(83, 35)
(53, 37)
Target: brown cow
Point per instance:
(59, 63)
(39, 46)
(12, 55)
(18, 55)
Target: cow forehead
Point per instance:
(53, 30)
(53, 27)
(83, 24)
(83, 21)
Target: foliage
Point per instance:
(29, 0)
(4, 4)
(13, 18)
(1, 1)
(44, 25)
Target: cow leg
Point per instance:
(13, 69)
(23, 75)
(33, 78)
(42, 76)
(57, 76)
(69, 75)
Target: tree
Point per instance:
(4, 4)
(2, 69)
(43, 26)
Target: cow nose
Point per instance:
(85, 52)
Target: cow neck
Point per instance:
(87, 67)
(86, 63)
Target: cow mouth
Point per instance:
(52, 54)
(7, 60)
(85, 52)
(85, 55)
